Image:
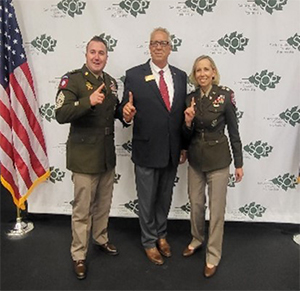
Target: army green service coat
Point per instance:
(90, 144)
(208, 148)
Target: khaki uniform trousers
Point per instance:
(91, 207)
(217, 182)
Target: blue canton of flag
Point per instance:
(23, 156)
(12, 53)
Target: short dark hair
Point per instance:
(98, 39)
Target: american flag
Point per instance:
(23, 156)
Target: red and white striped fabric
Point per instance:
(23, 155)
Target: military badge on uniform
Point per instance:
(64, 82)
(113, 88)
(89, 86)
(214, 122)
(60, 100)
(220, 100)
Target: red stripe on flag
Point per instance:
(14, 156)
(23, 136)
(30, 115)
(25, 68)
(8, 149)
(7, 176)
(5, 113)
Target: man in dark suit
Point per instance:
(154, 98)
(87, 99)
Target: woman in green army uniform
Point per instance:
(210, 108)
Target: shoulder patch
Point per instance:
(63, 82)
(232, 99)
(60, 100)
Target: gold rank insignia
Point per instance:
(89, 86)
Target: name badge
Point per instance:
(149, 78)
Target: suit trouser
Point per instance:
(154, 190)
(217, 182)
(91, 207)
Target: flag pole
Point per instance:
(20, 228)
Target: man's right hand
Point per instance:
(129, 110)
(97, 97)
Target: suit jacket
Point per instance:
(209, 148)
(90, 145)
(157, 135)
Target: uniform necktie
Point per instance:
(164, 90)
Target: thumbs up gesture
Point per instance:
(189, 113)
(129, 110)
(97, 97)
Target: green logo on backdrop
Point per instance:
(135, 7)
(264, 80)
(176, 42)
(233, 42)
(186, 207)
(117, 178)
(258, 149)
(127, 146)
(271, 5)
(294, 41)
(231, 181)
(71, 7)
(44, 43)
(133, 206)
(291, 116)
(110, 42)
(56, 175)
(47, 111)
(200, 6)
(253, 210)
(286, 181)
(239, 115)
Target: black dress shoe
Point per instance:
(108, 248)
(80, 269)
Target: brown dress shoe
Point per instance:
(108, 248)
(154, 256)
(80, 269)
(209, 272)
(164, 248)
(188, 252)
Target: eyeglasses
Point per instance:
(162, 43)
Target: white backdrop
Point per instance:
(256, 45)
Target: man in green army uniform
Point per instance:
(87, 99)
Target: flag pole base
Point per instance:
(296, 238)
(20, 229)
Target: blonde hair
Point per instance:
(216, 79)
